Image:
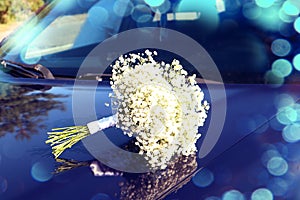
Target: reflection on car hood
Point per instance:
(28, 113)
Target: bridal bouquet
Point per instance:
(155, 102)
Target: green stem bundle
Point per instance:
(63, 138)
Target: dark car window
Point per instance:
(64, 32)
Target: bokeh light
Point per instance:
(233, 195)
(163, 8)
(123, 8)
(208, 10)
(263, 14)
(65, 5)
(285, 17)
(98, 16)
(141, 13)
(31, 55)
(291, 133)
(272, 78)
(203, 178)
(282, 149)
(296, 62)
(264, 3)
(101, 196)
(231, 7)
(267, 155)
(284, 100)
(85, 3)
(297, 108)
(281, 47)
(262, 194)
(287, 115)
(278, 186)
(282, 68)
(3, 185)
(42, 171)
(154, 3)
(269, 20)
(290, 9)
(277, 166)
(251, 11)
(297, 24)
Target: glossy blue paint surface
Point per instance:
(26, 163)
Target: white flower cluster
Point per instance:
(158, 103)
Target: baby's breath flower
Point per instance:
(159, 104)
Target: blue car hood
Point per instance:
(29, 110)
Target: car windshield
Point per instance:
(238, 37)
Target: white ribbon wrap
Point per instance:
(102, 124)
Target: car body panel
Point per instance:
(23, 147)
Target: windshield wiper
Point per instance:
(29, 71)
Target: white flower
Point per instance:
(160, 104)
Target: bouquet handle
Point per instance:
(102, 124)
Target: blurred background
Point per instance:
(14, 12)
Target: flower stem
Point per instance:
(62, 138)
